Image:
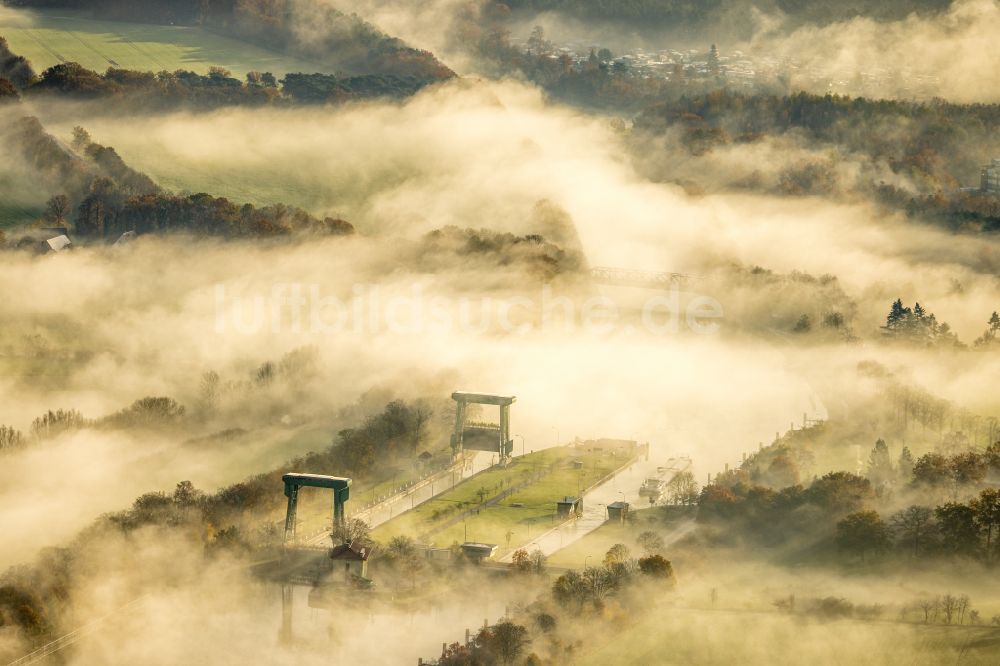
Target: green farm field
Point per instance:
(49, 37)
(524, 514)
(14, 214)
(232, 162)
(21, 202)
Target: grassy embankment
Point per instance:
(542, 478)
(663, 520)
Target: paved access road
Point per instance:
(623, 486)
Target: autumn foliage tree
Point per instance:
(656, 566)
(862, 533)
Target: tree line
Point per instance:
(918, 326)
(533, 252)
(843, 505)
(966, 529)
(935, 145)
(137, 91)
(151, 412)
(911, 407)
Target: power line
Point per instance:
(72, 637)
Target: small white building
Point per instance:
(990, 177)
(477, 552)
(58, 243)
(352, 558)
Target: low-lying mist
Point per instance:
(151, 318)
(480, 208)
(948, 51)
(721, 610)
(708, 395)
(482, 155)
(954, 54)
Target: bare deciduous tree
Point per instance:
(912, 525)
(352, 530)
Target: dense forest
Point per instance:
(883, 127)
(956, 510)
(934, 146)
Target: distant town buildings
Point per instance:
(990, 177)
(741, 71)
